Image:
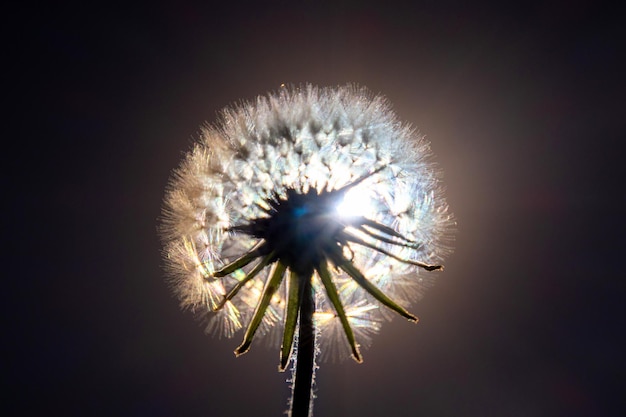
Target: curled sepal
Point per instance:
(348, 267)
(333, 296)
(273, 282)
(294, 300)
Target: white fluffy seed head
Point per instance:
(303, 138)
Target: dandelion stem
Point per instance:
(305, 357)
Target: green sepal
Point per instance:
(333, 296)
(240, 262)
(294, 300)
(351, 270)
(352, 238)
(273, 282)
(253, 272)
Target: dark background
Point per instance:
(523, 104)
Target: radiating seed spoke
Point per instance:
(331, 291)
(273, 282)
(356, 182)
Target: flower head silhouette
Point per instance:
(305, 193)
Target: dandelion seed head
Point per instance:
(304, 177)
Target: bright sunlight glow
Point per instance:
(356, 202)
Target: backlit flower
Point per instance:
(305, 184)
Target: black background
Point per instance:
(523, 104)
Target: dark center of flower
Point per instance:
(299, 227)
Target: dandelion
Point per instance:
(313, 212)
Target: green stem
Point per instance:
(305, 356)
